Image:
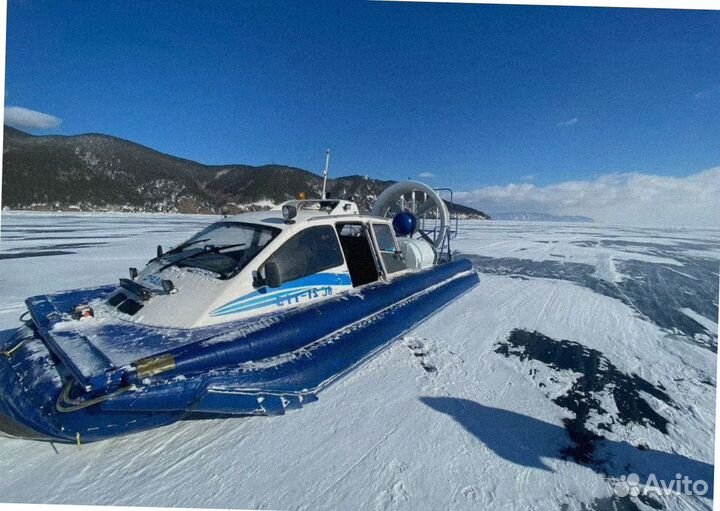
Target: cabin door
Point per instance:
(359, 254)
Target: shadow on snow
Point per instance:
(526, 441)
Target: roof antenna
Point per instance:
(325, 173)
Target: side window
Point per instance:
(309, 251)
(384, 237)
(388, 250)
(350, 230)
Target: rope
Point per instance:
(9, 353)
(78, 404)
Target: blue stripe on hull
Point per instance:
(263, 296)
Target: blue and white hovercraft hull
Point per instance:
(62, 381)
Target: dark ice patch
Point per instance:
(585, 243)
(47, 253)
(59, 246)
(655, 291)
(651, 501)
(613, 503)
(661, 249)
(73, 237)
(19, 228)
(597, 374)
(626, 503)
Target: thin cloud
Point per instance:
(24, 118)
(569, 122)
(627, 198)
(708, 93)
(426, 175)
(527, 177)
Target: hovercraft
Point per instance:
(254, 315)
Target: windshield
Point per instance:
(224, 248)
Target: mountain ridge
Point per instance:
(529, 216)
(99, 172)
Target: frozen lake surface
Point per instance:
(587, 353)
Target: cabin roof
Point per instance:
(307, 210)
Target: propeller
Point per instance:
(424, 203)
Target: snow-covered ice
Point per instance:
(587, 352)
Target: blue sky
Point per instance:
(477, 95)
